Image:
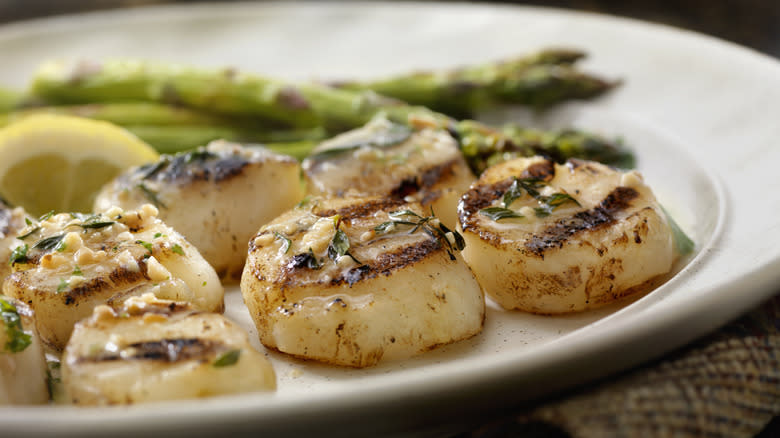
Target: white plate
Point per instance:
(700, 113)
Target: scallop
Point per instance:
(383, 158)
(68, 263)
(357, 281)
(23, 369)
(556, 238)
(216, 196)
(151, 350)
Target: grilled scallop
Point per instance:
(153, 349)
(387, 159)
(22, 362)
(550, 238)
(11, 221)
(355, 281)
(69, 263)
(217, 197)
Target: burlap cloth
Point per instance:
(724, 385)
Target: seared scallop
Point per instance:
(23, 378)
(555, 238)
(216, 196)
(11, 221)
(151, 349)
(383, 158)
(67, 264)
(355, 281)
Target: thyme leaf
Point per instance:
(498, 213)
(151, 195)
(430, 225)
(228, 358)
(49, 243)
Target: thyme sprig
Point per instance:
(531, 186)
(430, 225)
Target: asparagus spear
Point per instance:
(308, 104)
(539, 80)
(125, 113)
(223, 91)
(483, 147)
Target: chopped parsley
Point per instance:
(17, 339)
(177, 249)
(146, 245)
(77, 271)
(19, 255)
(228, 358)
(63, 285)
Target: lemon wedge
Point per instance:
(56, 162)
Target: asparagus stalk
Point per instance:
(125, 113)
(539, 80)
(483, 147)
(305, 105)
(225, 91)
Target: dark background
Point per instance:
(752, 23)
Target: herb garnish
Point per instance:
(146, 245)
(19, 255)
(228, 358)
(49, 243)
(177, 249)
(151, 195)
(29, 233)
(429, 224)
(339, 245)
(519, 187)
(498, 213)
(17, 340)
(199, 155)
(306, 259)
(63, 285)
(287, 242)
(46, 216)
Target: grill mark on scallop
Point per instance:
(543, 170)
(479, 197)
(359, 210)
(165, 350)
(385, 264)
(602, 215)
